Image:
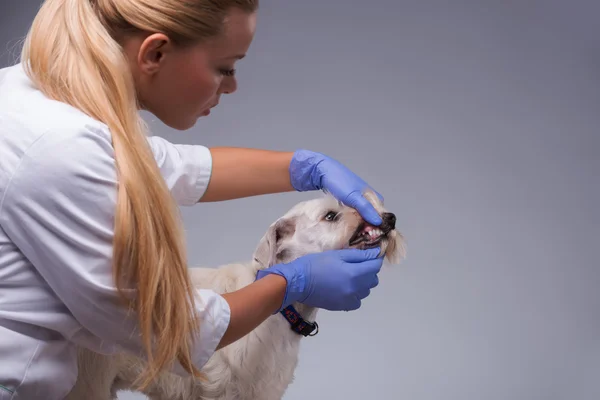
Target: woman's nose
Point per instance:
(229, 85)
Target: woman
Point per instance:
(89, 202)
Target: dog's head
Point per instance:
(325, 224)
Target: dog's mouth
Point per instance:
(369, 236)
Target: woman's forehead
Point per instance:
(238, 32)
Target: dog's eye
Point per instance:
(330, 216)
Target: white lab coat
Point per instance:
(57, 202)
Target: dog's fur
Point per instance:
(260, 365)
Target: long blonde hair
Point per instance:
(73, 54)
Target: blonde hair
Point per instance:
(73, 54)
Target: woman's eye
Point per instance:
(330, 216)
(227, 72)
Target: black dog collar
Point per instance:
(299, 324)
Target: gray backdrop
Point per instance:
(478, 121)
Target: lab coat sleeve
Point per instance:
(186, 168)
(59, 209)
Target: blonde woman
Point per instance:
(91, 245)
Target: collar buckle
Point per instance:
(299, 324)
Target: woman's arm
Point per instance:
(243, 172)
(251, 305)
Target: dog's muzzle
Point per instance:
(370, 236)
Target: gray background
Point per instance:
(478, 121)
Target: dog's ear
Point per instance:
(267, 250)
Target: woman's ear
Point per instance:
(268, 247)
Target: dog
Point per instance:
(260, 365)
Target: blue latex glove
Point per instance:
(315, 171)
(333, 280)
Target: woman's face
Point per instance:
(180, 85)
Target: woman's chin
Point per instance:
(182, 124)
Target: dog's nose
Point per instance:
(389, 219)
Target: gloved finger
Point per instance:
(364, 293)
(369, 267)
(359, 255)
(374, 281)
(364, 208)
(364, 273)
(353, 304)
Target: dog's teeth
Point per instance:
(369, 234)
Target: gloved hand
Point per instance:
(333, 280)
(315, 171)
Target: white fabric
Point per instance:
(57, 202)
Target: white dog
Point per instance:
(260, 365)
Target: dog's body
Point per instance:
(260, 365)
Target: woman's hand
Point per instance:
(334, 280)
(315, 171)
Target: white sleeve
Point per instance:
(186, 168)
(58, 210)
